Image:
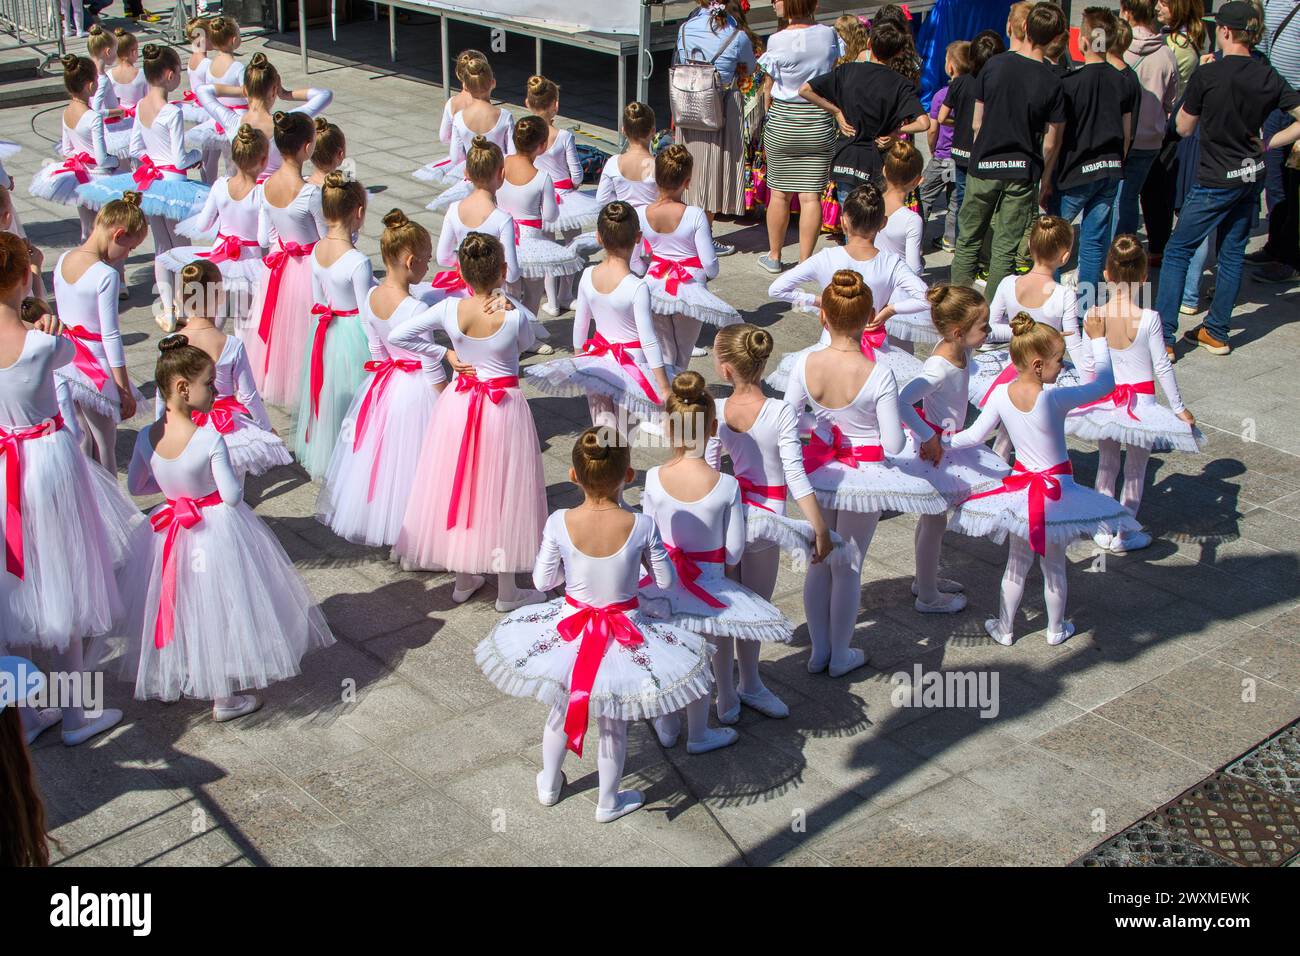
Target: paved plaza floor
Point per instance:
(392, 748)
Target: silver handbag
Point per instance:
(695, 89)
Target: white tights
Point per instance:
(99, 438)
(1020, 559)
(164, 240)
(74, 17)
(87, 218)
(929, 542)
(1135, 472)
(677, 337)
(758, 570)
(211, 166)
(611, 753)
(831, 596)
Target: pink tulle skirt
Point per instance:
(278, 378)
(499, 528)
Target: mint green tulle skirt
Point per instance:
(345, 356)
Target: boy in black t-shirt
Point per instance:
(1019, 112)
(958, 109)
(1228, 99)
(1098, 133)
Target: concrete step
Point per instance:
(18, 67)
(31, 91)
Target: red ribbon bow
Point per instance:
(759, 495)
(276, 262)
(79, 164)
(819, 453)
(492, 389)
(1125, 396)
(673, 271)
(596, 626)
(1043, 486)
(226, 248)
(599, 345)
(535, 223)
(383, 373)
(450, 281)
(1008, 374)
(561, 186)
(688, 571)
(324, 316)
(222, 415)
(83, 358)
(171, 518)
(11, 451)
(149, 172)
(873, 340)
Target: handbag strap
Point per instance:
(1283, 25)
(681, 43)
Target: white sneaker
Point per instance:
(244, 704)
(947, 604)
(766, 703)
(712, 740)
(1063, 635)
(549, 798)
(1103, 540)
(628, 800)
(993, 628)
(1130, 541)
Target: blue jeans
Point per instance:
(958, 194)
(1094, 201)
(1228, 213)
(1136, 167)
(1196, 269)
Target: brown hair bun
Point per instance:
(395, 219)
(600, 461)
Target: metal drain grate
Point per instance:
(1274, 764)
(1145, 844)
(1235, 819)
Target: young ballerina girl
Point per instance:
(196, 67)
(127, 78)
(290, 223)
(630, 176)
(83, 147)
(477, 212)
(330, 152)
(233, 208)
(560, 652)
(906, 314)
(478, 118)
(237, 411)
(480, 499)
(559, 160)
(619, 365)
(168, 196)
(439, 170)
(261, 91)
(901, 234)
(333, 366)
(57, 587)
(761, 437)
(86, 287)
(102, 47)
(961, 316)
(527, 194)
(853, 402)
(1039, 506)
(372, 472)
(216, 608)
(701, 519)
(1131, 415)
(209, 136)
(677, 257)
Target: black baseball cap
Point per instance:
(1235, 15)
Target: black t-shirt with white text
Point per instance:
(1021, 96)
(1232, 97)
(876, 101)
(961, 104)
(1132, 99)
(1093, 145)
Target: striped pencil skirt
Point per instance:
(799, 142)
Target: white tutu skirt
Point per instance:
(578, 212)
(961, 473)
(1080, 512)
(84, 394)
(366, 489)
(243, 619)
(602, 375)
(540, 257)
(874, 486)
(117, 138)
(456, 191)
(989, 365)
(1155, 426)
(175, 199)
(8, 148)
(206, 139)
(51, 184)
(793, 536)
(525, 656)
(254, 450)
(693, 299)
(122, 519)
(904, 366)
(746, 616)
(914, 327)
(244, 273)
(193, 111)
(441, 172)
(68, 590)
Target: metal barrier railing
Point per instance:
(33, 24)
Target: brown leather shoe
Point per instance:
(1199, 336)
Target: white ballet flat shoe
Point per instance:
(526, 597)
(105, 721)
(45, 718)
(855, 658)
(766, 703)
(1103, 540)
(546, 308)
(1130, 541)
(543, 348)
(668, 729)
(549, 798)
(460, 597)
(1064, 634)
(816, 666)
(628, 800)
(730, 717)
(712, 740)
(947, 604)
(943, 586)
(992, 627)
(248, 704)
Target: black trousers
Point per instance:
(1284, 222)
(1157, 198)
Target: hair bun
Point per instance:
(121, 32)
(1022, 323)
(335, 180)
(151, 51)
(690, 387)
(96, 30)
(174, 341)
(246, 133)
(395, 219)
(619, 211)
(132, 198)
(281, 119)
(69, 61)
(476, 244)
(848, 283)
(594, 447)
(937, 293)
(322, 124)
(480, 142)
(758, 344)
(258, 59)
